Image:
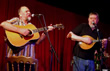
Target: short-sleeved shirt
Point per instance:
(28, 50)
(81, 30)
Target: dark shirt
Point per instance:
(85, 29)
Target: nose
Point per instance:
(29, 13)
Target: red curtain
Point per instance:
(62, 46)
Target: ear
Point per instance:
(97, 20)
(20, 15)
(88, 19)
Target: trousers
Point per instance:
(82, 64)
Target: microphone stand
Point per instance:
(101, 50)
(46, 33)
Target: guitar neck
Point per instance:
(39, 29)
(96, 40)
(42, 29)
(100, 40)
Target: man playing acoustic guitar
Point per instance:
(85, 36)
(28, 49)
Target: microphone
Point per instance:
(93, 23)
(33, 15)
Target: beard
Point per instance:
(29, 18)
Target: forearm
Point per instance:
(74, 37)
(50, 28)
(41, 38)
(10, 27)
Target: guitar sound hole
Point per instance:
(21, 35)
(30, 33)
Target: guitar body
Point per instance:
(86, 46)
(18, 40)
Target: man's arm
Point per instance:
(75, 37)
(8, 26)
(50, 28)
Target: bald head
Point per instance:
(22, 8)
(24, 13)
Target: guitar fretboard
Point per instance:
(39, 29)
(96, 40)
(45, 28)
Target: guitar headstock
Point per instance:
(59, 26)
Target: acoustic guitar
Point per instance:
(19, 40)
(89, 46)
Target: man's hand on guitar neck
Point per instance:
(43, 35)
(104, 43)
(50, 28)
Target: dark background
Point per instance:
(83, 7)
